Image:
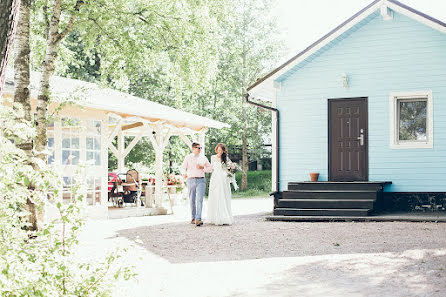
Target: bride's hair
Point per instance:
(224, 156)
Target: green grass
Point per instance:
(259, 184)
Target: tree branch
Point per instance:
(70, 25)
(105, 32)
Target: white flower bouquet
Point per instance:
(230, 169)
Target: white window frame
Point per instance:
(394, 120)
(93, 135)
(93, 191)
(71, 132)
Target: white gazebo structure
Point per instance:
(86, 127)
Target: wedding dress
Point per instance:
(219, 201)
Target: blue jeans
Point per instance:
(196, 187)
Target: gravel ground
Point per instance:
(255, 257)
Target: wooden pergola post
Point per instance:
(201, 140)
(120, 156)
(159, 143)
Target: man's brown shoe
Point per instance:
(198, 223)
(193, 221)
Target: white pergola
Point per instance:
(132, 116)
(159, 133)
(118, 115)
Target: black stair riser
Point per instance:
(320, 212)
(328, 195)
(325, 204)
(334, 187)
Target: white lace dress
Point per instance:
(219, 201)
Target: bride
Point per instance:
(219, 201)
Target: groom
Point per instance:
(193, 169)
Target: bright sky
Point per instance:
(305, 21)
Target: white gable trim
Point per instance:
(264, 87)
(420, 18)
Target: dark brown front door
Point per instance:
(348, 139)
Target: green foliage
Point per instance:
(412, 120)
(198, 56)
(250, 46)
(257, 180)
(42, 263)
(120, 42)
(259, 184)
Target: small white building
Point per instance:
(89, 118)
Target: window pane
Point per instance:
(75, 143)
(90, 184)
(75, 157)
(66, 196)
(97, 143)
(97, 182)
(66, 182)
(65, 142)
(70, 122)
(90, 156)
(90, 198)
(66, 157)
(97, 158)
(50, 142)
(97, 127)
(412, 120)
(97, 196)
(89, 143)
(51, 157)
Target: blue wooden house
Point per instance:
(365, 107)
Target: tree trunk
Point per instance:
(245, 168)
(48, 66)
(21, 63)
(22, 93)
(8, 20)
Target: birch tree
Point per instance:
(55, 34)
(251, 46)
(22, 93)
(21, 64)
(8, 19)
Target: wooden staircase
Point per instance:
(331, 199)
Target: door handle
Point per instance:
(361, 139)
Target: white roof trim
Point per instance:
(420, 18)
(264, 88)
(114, 102)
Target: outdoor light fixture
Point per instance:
(345, 80)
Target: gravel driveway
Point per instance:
(254, 257)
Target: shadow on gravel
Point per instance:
(251, 237)
(396, 275)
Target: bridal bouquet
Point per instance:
(231, 167)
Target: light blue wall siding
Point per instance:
(379, 57)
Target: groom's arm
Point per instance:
(207, 166)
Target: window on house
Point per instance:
(411, 118)
(93, 142)
(93, 190)
(67, 189)
(70, 141)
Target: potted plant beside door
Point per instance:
(314, 176)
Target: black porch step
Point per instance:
(321, 212)
(327, 203)
(329, 194)
(337, 186)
